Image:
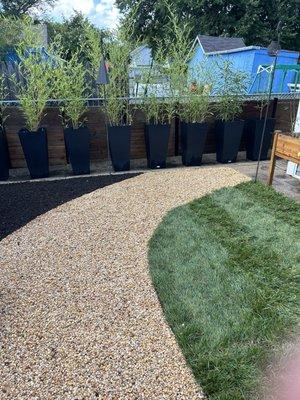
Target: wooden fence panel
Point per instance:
(96, 123)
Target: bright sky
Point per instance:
(102, 13)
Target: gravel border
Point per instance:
(22, 202)
(80, 318)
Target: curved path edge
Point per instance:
(80, 318)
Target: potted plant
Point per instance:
(194, 111)
(253, 131)
(158, 104)
(33, 92)
(158, 115)
(117, 104)
(190, 103)
(71, 87)
(4, 156)
(232, 85)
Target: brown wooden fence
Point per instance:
(95, 121)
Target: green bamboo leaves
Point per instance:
(33, 86)
(71, 88)
(231, 89)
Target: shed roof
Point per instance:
(219, 43)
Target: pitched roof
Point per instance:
(219, 43)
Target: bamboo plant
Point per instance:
(177, 56)
(118, 106)
(117, 91)
(70, 87)
(262, 104)
(3, 104)
(156, 102)
(4, 156)
(171, 58)
(33, 83)
(231, 89)
(195, 102)
(72, 90)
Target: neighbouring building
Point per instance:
(253, 60)
(145, 74)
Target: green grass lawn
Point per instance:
(226, 270)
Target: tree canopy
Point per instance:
(254, 20)
(21, 7)
(77, 34)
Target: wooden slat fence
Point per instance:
(96, 123)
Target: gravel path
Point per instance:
(79, 316)
(22, 202)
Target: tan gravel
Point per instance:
(79, 316)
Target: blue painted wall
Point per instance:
(248, 61)
(280, 84)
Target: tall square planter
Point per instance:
(4, 157)
(228, 140)
(35, 149)
(253, 133)
(78, 149)
(157, 142)
(193, 137)
(119, 139)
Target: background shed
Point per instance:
(253, 60)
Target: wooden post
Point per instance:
(273, 158)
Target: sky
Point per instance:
(102, 13)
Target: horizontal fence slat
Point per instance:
(96, 124)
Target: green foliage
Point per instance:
(226, 270)
(11, 34)
(118, 109)
(177, 55)
(93, 48)
(70, 85)
(195, 102)
(10, 30)
(262, 104)
(177, 52)
(78, 36)
(170, 60)
(231, 87)
(157, 110)
(34, 89)
(3, 97)
(20, 7)
(195, 106)
(117, 104)
(254, 20)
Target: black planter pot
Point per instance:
(193, 137)
(228, 140)
(35, 149)
(78, 149)
(4, 157)
(157, 141)
(119, 146)
(253, 133)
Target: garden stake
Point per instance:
(273, 50)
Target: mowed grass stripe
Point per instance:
(229, 285)
(285, 209)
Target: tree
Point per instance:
(77, 35)
(254, 20)
(21, 7)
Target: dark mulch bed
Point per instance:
(22, 202)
